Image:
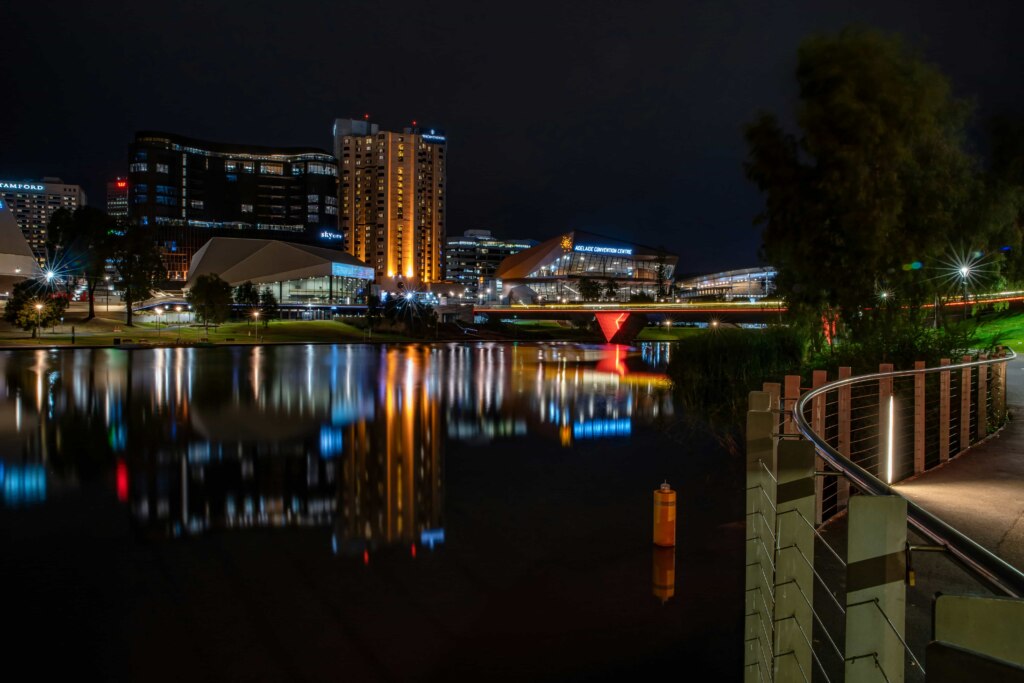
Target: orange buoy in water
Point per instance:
(665, 516)
(663, 575)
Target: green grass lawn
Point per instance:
(668, 333)
(1005, 328)
(102, 331)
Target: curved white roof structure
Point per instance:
(237, 260)
(16, 258)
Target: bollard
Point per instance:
(663, 574)
(876, 591)
(665, 516)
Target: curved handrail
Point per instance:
(996, 573)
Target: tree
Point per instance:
(30, 307)
(661, 273)
(82, 242)
(268, 305)
(210, 297)
(248, 295)
(611, 289)
(876, 186)
(590, 289)
(137, 261)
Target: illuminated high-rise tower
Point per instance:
(392, 199)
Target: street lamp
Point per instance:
(106, 279)
(39, 310)
(159, 312)
(965, 273)
(256, 319)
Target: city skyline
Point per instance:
(538, 127)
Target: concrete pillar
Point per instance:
(794, 559)
(845, 403)
(875, 584)
(984, 624)
(965, 407)
(790, 394)
(982, 399)
(943, 427)
(818, 377)
(884, 394)
(919, 403)
(759, 603)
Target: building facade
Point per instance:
(582, 266)
(472, 259)
(117, 198)
(746, 283)
(392, 199)
(190, 190)
(33, 203)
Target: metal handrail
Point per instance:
(990, 569)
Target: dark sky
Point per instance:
(623, 118)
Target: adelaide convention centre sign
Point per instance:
(594, 249)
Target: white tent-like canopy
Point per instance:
(16, 259)
(237, 260)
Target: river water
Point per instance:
(360, 512)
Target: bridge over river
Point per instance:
(622, 322)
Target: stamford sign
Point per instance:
(594, 249)
(8, 185)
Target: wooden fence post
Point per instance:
(919, 402)
(845, 402)
(884, 396)
(982, 398)
(965, 406)
(943, 426)
(818, 377)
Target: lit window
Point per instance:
(272, 169)
(162, 168)
(246, 208)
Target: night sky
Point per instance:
(622, 118)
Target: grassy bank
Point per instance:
(103, 331)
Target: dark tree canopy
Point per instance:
(80, 243)
(210, 297)
(31, 306)
(137, 261)
(877, 192)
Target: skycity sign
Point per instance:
(30, 187)
(594, 249)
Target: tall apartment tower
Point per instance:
(391, 200)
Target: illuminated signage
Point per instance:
(593, 249)
(433, 136)
(328, 235)
(347, 270)
(7, 185)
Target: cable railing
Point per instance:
(821, 462)
(996, 573)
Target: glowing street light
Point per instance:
(39, 310)
(965, 274)
(159, 313)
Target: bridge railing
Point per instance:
(820, 465)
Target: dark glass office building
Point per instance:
(190, 190)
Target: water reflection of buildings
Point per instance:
(346, 437)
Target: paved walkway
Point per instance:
(981, 493)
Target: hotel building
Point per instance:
(33, 203)
(190, 190)
(392, 200)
